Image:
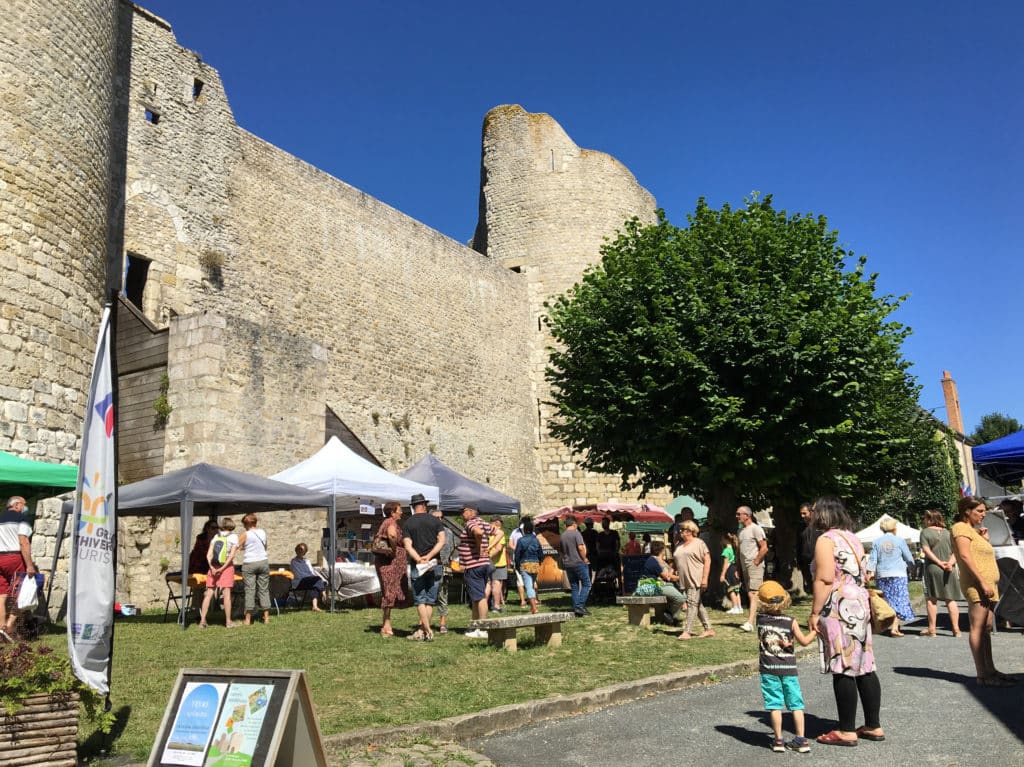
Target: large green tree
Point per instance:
(745, 356)
(994, 426)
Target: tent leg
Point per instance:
(332, 546)
(186, 540)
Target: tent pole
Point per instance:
(61, 524)
(186, 539)
(332, 545)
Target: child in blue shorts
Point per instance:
(779, 683)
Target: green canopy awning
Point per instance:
(21, 476)
(700, 511)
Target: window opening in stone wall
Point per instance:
(552, 159)
(539, 325)
(197, 88)
(135, 274)
(152, 116)
(517, 269)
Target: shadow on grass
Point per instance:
(98, 745)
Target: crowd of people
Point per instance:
(415, 559)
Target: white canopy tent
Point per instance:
(351, 480)
(337, 470)
(872, 532)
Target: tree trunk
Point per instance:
(785, 515)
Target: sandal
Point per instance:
(384, 633)
(928, 633)
(866, 734)
(835, 739)
(417, 636)
(896, 633)
(707, 634)
(685, 635)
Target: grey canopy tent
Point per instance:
(457, 490)
(208, 491)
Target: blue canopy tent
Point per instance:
(1001, 460)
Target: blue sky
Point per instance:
(901, 122)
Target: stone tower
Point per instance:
(546, 207)
(60, 65)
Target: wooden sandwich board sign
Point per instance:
(239, 718)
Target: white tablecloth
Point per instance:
(352, 579)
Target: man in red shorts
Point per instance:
(15, 555)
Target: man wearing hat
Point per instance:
(423, 537)
(475, 563)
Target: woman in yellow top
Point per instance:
(979, 578)
(497, 550)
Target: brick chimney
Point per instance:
(953, 416)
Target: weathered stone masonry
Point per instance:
(272, 290)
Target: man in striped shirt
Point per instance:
(475, 563)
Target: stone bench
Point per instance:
(501, 632)
(639, 608)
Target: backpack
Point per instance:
(221, 547)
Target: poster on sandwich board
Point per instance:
(238, 718)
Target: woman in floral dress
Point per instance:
(841, 616)
(392, 571)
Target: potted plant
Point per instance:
(40, 699)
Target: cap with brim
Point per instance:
(772, 593)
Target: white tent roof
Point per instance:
(337, 470)
(871, 532)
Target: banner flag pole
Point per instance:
(92, 567)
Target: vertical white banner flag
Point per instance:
(91, 569)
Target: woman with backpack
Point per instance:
(220, 556)
(255, 568)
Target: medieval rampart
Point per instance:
(284, 292)
(58, 66)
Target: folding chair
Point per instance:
(173, 581)
(300, 592)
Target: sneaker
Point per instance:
(734, 610)
(800, 745)
(778, 745)
(443, 629)
(746, 627)
(476, 634)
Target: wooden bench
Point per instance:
(501, 632)
(639, 608)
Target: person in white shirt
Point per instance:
(304, 577)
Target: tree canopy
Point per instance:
(745, 355)
(994, 426)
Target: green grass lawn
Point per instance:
(359, 679)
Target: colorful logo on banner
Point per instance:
(94, 492)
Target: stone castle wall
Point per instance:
(546, 207)
(57, 109)
(284, 291)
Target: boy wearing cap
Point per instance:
(780, 686)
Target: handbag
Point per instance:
(381, 545)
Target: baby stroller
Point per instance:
(606, 584)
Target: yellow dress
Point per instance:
(984, 562)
